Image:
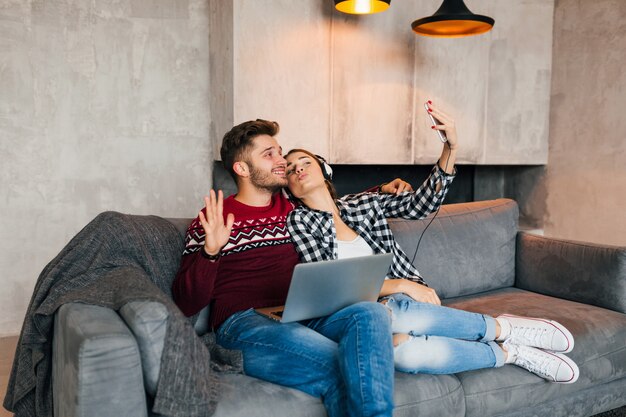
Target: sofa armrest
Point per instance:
(148, 322)
(578, 271)
(96, 367)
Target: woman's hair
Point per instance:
(329, 184)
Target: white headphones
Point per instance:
(326, 169)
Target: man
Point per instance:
(245, 261)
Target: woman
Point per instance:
(428, 338)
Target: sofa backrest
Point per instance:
(468, 248)
(181, 224)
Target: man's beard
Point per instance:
(266, 180)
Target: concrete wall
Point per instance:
(352, 88)
(107, 105)
(103, 106)
(584, 186)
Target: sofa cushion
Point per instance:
(458, 236)
(589, 402)
(96, 364)
(595, 274)
(244, 396)
(148, 322)
(428, 395)
(424, 395)
(180, 223)
(599, 351)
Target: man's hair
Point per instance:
(329, 185)
(238, 141)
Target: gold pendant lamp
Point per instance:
(452, 20)
(362, 6)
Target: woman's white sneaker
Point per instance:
(554, 367)
(535, 332)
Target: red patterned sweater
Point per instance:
(254, 269)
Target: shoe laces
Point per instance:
(532, 336)
(535, 361)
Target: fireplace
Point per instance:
(472, 183)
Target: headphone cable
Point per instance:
(436, 212)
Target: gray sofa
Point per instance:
(107, 364)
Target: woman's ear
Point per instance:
(241, 169)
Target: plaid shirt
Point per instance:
(314, 236)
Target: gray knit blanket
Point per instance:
(116, 259)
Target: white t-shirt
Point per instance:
(353, 248)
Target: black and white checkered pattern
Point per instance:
(313, 231)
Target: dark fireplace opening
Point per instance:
(522, 183)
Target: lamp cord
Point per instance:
(436, 212)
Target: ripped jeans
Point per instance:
(442, 340)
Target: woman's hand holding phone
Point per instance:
(443, 124)
(435, 122)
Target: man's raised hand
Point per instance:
(216, 232)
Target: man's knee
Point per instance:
(372, 311)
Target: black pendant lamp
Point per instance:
(362, 6)
(453, 20)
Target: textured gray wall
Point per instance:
(103, 106)
(352, 88)
(585, 179)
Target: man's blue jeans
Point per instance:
(346, 358)
(443, 340)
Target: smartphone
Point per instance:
(440, 133)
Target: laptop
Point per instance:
(319, 289)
